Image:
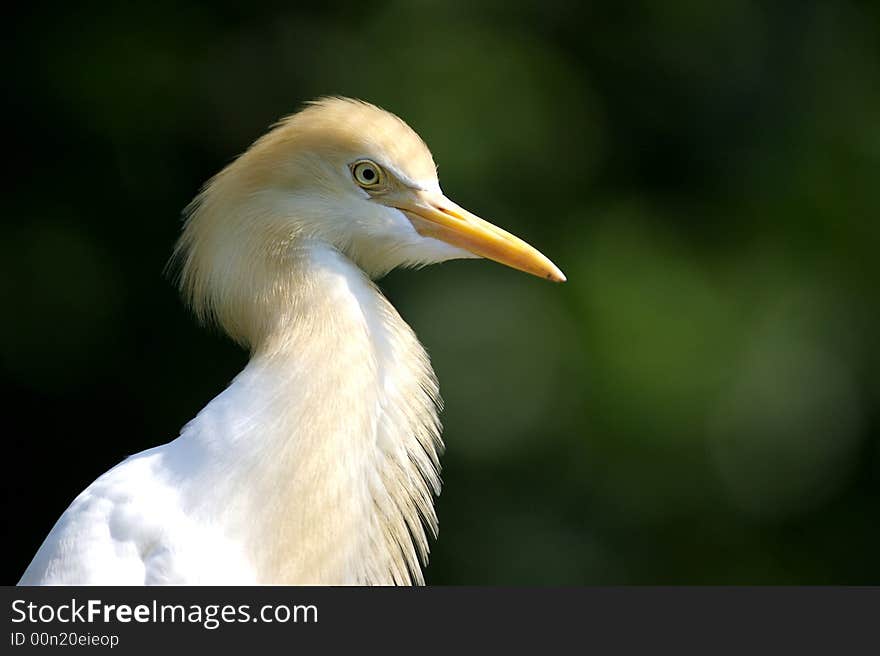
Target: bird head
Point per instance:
(342, 172)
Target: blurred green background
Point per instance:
(698, 404)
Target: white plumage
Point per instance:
(318, 464)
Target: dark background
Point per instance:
(698, 404)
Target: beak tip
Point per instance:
(555, 275)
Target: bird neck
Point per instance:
(323, 452)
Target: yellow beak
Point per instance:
(434, 215)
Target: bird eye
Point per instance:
(366, 173)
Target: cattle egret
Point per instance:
(319, 463)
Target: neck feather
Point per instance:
(324, 451)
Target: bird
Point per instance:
(320, 461)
